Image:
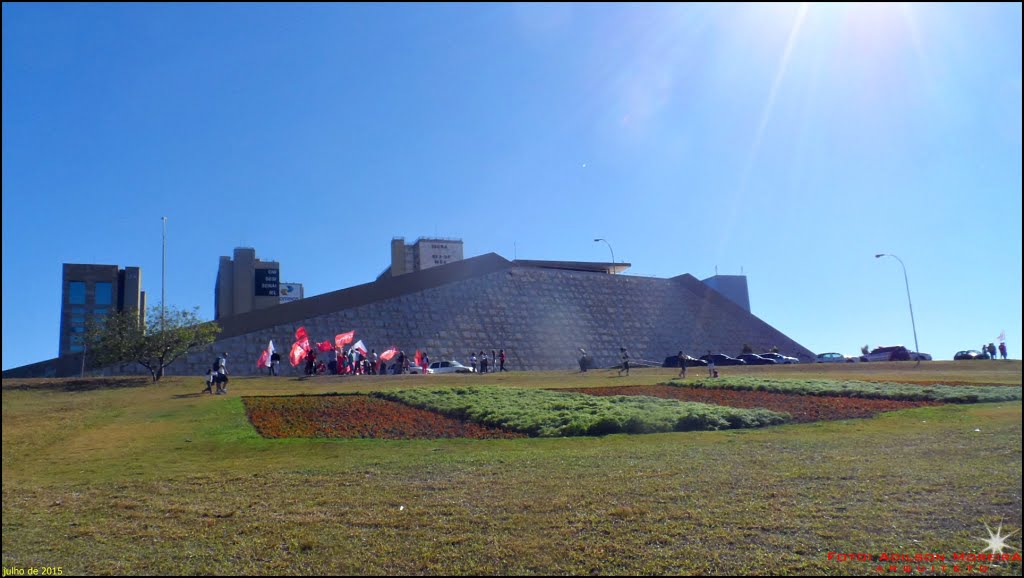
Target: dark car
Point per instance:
(755, 359)
(673, 361)
(721, 359)
(970, 354)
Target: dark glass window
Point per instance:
(104, 293)
(76, 292)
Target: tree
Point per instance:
(747, 348)
(865, 350)
(120, 337)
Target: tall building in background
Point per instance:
(93, 291)
(423, 254)
(245, 284)
(733, 287)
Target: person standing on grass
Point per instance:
(502, 358)
(222, 374)
(275, 363)
(625, 361)
(1002, 349)
(682, 365)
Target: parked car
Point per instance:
(721, 359)
(754, 359)
(834, 358)
(779, 358)
(970, 354)
(448, 367)
(917, 356)
(673, 361)
(888, 353)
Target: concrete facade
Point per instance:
(245, 283)
(423, 254)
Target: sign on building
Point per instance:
(291, 292)
(267, 282)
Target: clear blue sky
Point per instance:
(789, 142)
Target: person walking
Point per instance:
(682, 365)
(1002, 349)
(584, 360)
(625, 361)
(221, 378)
(502, 359)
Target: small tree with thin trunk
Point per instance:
(121, 336)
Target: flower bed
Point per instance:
(357, 416)
(803, 408)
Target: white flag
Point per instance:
(1002, 336)
(270, 353)
(358, 346)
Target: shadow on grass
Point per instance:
(78, 384)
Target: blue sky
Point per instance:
(790, 142)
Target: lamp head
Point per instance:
(879, 255)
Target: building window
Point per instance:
(76, 348)
(100, 312)
(104, 293)
(76, 292)
(78, 320)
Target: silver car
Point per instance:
(448, 367)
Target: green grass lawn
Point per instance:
(157, 479)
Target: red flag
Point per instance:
(300, 334)
(263, 359)
(387, 355)
(341, 339)
(325, 346)
(418, 358)
(298, 352)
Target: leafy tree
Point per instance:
(865, 350)
(167, 335)
(747, 348)
(774, 349)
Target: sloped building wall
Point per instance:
(540, 317)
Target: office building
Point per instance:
(93, 291)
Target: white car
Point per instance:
(834, 358)
(448, 367)
(779, 358)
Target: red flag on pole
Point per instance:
(341, 339)
(263, 359)
(418, 358)
(300, 334)
(387, 355)
(325, 346)
(298, 352)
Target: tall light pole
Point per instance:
(610, 249)
(163, 277)
(917, 350)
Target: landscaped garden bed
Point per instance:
(803, 408)
(357, 416)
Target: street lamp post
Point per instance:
(612, 252)
(917, 350)
(163, 277)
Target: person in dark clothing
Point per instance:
(275, 362)
(501, 357)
